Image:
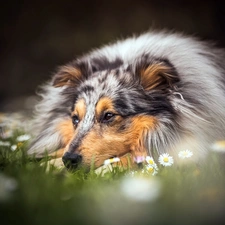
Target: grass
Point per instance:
(187, 194)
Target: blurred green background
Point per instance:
(36, 37)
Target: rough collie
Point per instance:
(155, 93)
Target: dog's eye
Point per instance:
(75, 120)
(107, 117)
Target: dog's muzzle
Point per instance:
(71, 160)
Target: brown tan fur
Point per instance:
(66, 128)
(68, 75)
(105, 142)
(66, 131)
(80, 109)
(105, 104)
(100, 145)
(155, 75)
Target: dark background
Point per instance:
(36, 37)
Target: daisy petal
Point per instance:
(165, 159)
(185, 154)
(112, 160)
(24, 137)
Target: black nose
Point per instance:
(71, 160)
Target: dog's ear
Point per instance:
(67, 76)
(156, 74)
(72, 74)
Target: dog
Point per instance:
(159, 92)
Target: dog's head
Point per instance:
(114, 108)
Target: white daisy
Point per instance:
(150, 160)
(13, 147)
(165, 159)
(112, 160)
(24, 137)
(152, 169)
(151, 166)
(185, 154)
(4, 143)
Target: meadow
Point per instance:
(34, 193)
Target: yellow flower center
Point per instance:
(150, 169)
(166, 159)
(19, 144)
(150, 161)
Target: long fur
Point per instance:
(176, 80)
